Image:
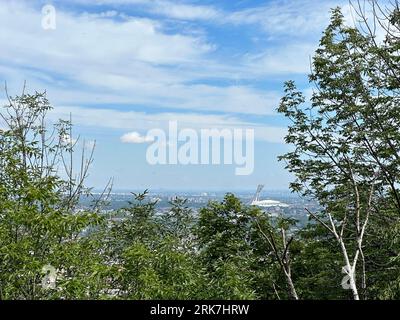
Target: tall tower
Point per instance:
(257, 194)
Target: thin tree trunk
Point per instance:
(353, 285)
(292, 290)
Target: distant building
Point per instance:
(266, 203)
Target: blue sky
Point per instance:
(126, 66)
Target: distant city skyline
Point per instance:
(124, 67)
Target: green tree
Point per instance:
(275, 235)
(38, 224)
(346, 142)
(179, 223)
(224, 231)
(152, 256)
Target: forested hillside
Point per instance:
(345, 154)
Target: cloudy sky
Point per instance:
(124, 67)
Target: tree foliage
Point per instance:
(345, 156)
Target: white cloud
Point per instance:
(94, 58)
(276, 17)
(185, 11)
(291, 58)
(167, 8)
(135, 137)
(286, 17)
(140, 121)
(93, 38)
